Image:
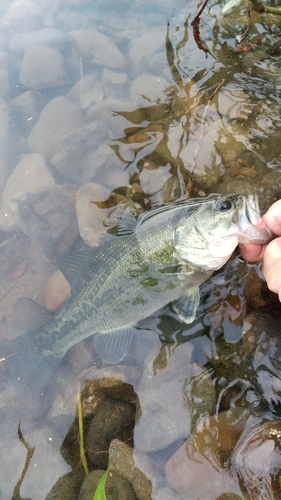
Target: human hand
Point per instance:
(271, 253)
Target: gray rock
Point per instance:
(145, 46)
(42, 67)
(48, 218)
(110, 112)
(27, 107)
(164, 416)
(59, 118)
(87, 91)
(68, 20)
(47, 37)
(8, 145)
(72, 157)
(4, 59)
(23, 15)
(114, 77)
(150, 86)
(97, 48)
(5, 87)
(185, 473)
(46, 458)
(90, 216)
(30, 176)
(100, 169)
(166, 494)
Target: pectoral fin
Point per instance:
(112, 347)
(186, 306)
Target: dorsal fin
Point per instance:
(74, 263)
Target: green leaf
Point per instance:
(229, 5)
(100, 491)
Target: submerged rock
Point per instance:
(42, 67)
(122, 460)
(48, 218)
(90, 216)
(59, 118)
(31, 175)
(257, 460)
(108, 407)
(27, 107)
(57, 291)
(22, 15)
(47, 37)
(116, 487)
(198, 477)
(164, 417)
(113, 419)
(97, 48)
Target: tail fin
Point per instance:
(29, 368)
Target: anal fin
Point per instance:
(112, 346)
(187, 305)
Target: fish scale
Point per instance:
(166, 256)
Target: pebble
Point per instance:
(42, 67)
(113, 77)
(87, 91)
(48, 218)
(5, 87)
(142, 48)
(23, 15)
(8, 147)
(30, 176)
(46, 440)
(90, 216)
(113, 114)
(164, 417)
(27, 107)
(185, 475)
(153, 180)
(71, 160)
(59, 118)
(96, 48)
(56, 292)
(48, 37)
(100, 169)
(150, 86)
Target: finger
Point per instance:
(252, 252)
(273, 278)
(272, 266)
(272, 218)
(272, 255)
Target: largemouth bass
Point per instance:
(166, 256)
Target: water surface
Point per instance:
(114, 103)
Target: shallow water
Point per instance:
(113, 104)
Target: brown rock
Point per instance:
(57, 291)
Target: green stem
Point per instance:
(273, 10)
(81, 434)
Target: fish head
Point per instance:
(208, 237)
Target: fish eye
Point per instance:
(223, 206)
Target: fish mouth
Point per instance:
(251, 227)
(252, 209)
